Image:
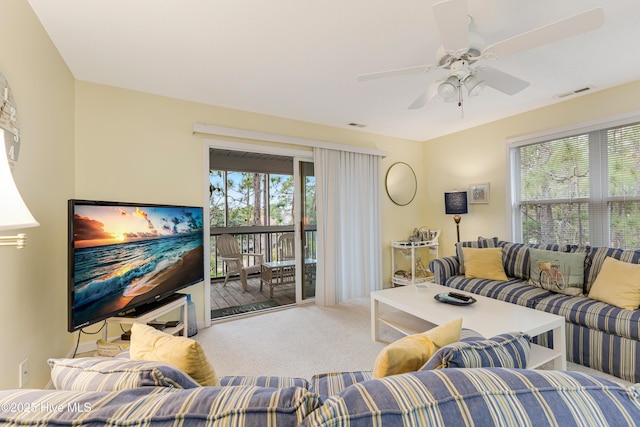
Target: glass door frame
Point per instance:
(298, 225)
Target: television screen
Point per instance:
(127, 255)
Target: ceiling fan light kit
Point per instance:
(460, 75)
(474, 85)
(449, 88)
(461, 50)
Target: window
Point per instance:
(240, 199)
(582, 188)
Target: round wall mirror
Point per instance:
(401, 183)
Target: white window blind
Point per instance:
(579, 189)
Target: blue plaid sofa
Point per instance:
(599, 335)
(443, 397)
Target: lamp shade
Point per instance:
(474, 85)
(455, 202)
(449, 88)
(13, 212)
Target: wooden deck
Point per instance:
(232, 294)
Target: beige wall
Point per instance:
(33, 280)
(137, 147)
(478, 156)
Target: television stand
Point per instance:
(151, 312)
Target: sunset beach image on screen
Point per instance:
(126, 255)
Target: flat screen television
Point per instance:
(125, 256)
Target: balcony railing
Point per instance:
(260, 239)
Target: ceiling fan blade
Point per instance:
(420, 101)
(453, 24)
(499, 80)
(427, 95)
(565, 28)
(393, 73)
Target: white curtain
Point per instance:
(349, 225)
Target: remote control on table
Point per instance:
(461, 297)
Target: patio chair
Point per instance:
(286, 246)
(229, 251)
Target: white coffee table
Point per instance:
(414, 310)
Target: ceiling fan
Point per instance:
(461, 50)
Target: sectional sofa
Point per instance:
(601, 334)
(443, 397)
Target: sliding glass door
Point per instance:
(263, 199)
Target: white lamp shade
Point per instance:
(13, 212)
(474, 85)
(449, 88)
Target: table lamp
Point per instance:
(13, 211)
(455, 203)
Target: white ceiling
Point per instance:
(299, 59)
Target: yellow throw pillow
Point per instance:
(186, 354)
(408, 354)
(618, 283)
(484, 263)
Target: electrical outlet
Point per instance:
(24, 373)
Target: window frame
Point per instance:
(598, 227)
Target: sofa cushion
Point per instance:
(330, 383)
(516, 260)
(515, 291)
(594, 314)
(482, 242)
(483, 263)
(160, 407)
(483, 396)
(595, 257)
(509, 350)
(411, 352)
(186, 354)
(470, 335)
(264, 381)
(99, 374)
(560, 272)
(618, 283)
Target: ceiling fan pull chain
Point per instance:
(460, 104)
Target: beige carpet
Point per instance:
(302, 341)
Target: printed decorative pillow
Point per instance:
(186, 354)
(100, 374)
(510, 350)
(409, 353)
(560, 272)
(618, 283)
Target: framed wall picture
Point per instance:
(479, 193)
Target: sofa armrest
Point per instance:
(443, 268)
